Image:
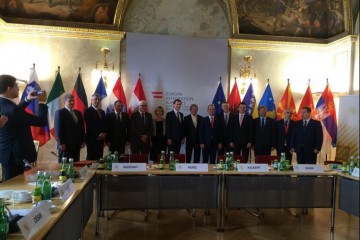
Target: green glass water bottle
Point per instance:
(4, 221)
(171, 161)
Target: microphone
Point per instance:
(53, 153)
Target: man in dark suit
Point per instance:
(284, 130)
(307, 138)
(16, 141)
(192, 124)
(141, 129)
(225, 123)
(118, 129)
(263, 137)
(241, 132)
(174, 127)
(95, 134)
(69, 130)
(210, 140)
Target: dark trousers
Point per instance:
(140, 147)
(306, 158)
(209, 153)
(286, 150)
(190, 148)
(241, 149)
(95, 150)
(120, 148)
(70, 153)
(175, 147)
(12, 169)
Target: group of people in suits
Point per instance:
(210, 135)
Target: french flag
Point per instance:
(138, 95)
(41, 134)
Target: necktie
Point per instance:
(286, 125)
(119, 116)
(73, 116)
(212, 121)
(143, 117)
(195, 121)
(262, 122)
(178, 116)
(98, 112)
(226, 119)
(305, 123)
(241, 119)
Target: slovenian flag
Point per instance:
(40, 134)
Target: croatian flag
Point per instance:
(138, 95)
(40, 134)
(326, 113)
(117, 94)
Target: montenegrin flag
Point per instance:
(54, 100)
(40, 134)
(137, 95)
(117, 94)
(234, 98)
(326, 113)
(286, 101)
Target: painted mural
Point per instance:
(83, 11)
(298, 18)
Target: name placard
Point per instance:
(355, 172)
(84, 172)
(308, 168)
(66, 189)
(192, 167)
(34, 220)
(253, 168)
(129, 167)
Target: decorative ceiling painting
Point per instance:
(293, 18)
(100, 12)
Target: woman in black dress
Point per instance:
(158, 137)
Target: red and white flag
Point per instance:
(137, 95)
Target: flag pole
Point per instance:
(80, 71)
(34, 66)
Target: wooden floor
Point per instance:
(179, 225)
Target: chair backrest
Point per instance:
(342, 153)
(236, 157)
(137, 158)
(265, 159)
(180, 157)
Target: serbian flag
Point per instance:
(307, 101)
(287, 101)
(101, 90)
(267, 100)
(234, 98)
(117, 94)
(40, 134)
(79, 94)
(54, 100)
(219, 98)
(250, 101)
(138, 95)
(326, 113)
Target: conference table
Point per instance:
(349, 194)
(215, 189)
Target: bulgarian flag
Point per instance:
(138, 95)
(54, 100)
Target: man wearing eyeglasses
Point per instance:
(16, 142)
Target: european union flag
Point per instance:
(267, 100)
(100, 89)
(219, 98)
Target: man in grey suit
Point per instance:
(141, 130)
(16, 142)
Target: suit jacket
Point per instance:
(263, 137)
(241, 134)
(117, 131)
(191, 132)
(67, 131)
(306, 140)
(94, 124)
(16, 141)
(174, 128)
(208, 133)
(138, 127)
(283, 136)
(225, 130)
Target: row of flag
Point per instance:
(324, 111)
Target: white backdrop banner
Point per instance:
(173, 67)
